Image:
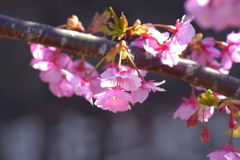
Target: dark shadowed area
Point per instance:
(35, 125)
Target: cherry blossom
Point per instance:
(148, 40)
(80, 87)
(43, 57)
(82, 69)
(112, 78)
(49, 61)
(205, 113)
(231, 51)
(190, 106)
(169, 54)
(183, 32)
(133, 71)
(167, 49)
(142, 92)
(215, 14)
(187, 108)
(113, 100)
(225, 154)
(203, 50)
(62, 88)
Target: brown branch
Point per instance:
(89, 45)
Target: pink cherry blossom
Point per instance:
(80, 87)
(190, 106)
(169, 51)
(225, 154)
(169, 54)
(183, 32)
(49, 61)
(148, 40)
(133, 71)
(62, 88)
(42, 56)
(126, 68)
(142, 92)
(215, 14)
(95, 85)
(82, 69)
(204, 116)
(231, 51)
(204, 52)
(187, 108)
(112, 78)
(113, 100)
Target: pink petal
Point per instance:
(61, 89)
(226, 62)
(108, 73)
(139, 95)
(41, 65)
(53, 75)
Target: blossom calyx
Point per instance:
(208, 98)
(120, 26)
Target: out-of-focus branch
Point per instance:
(89, 45)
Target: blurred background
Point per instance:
(35, 125)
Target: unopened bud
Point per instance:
(193, 120)
(234, 111)
(232, 123)
(221, 110)
(72, 22)
(205, 136)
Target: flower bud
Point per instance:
(72, 22)
(193, 120)
(232, 123)
(205, 136)
(221, 110)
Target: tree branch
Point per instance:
(89, 45)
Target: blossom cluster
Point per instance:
(207, 51)
(114, 90)
(214, 14)
(167, 48)
(118, 87)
